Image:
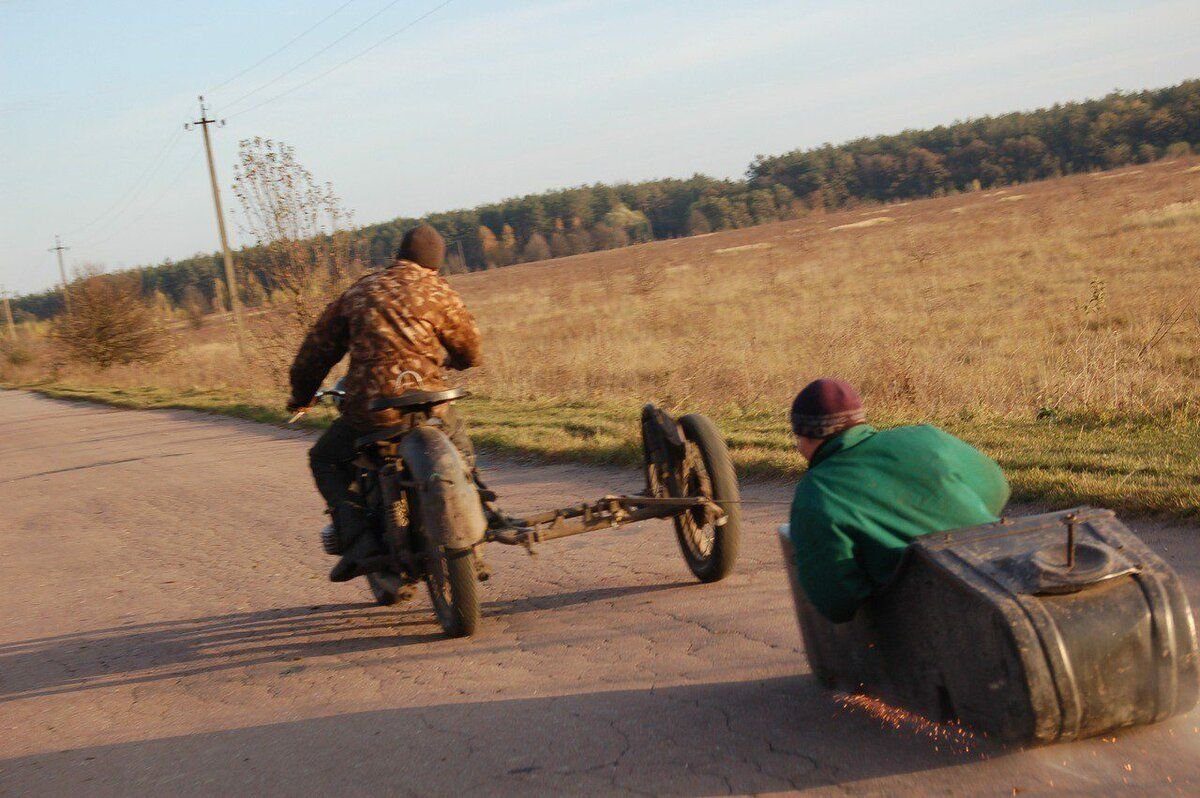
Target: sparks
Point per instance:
(956, 737)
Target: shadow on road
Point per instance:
(149, 652)
(172, 649)
(572, 598)
(704, 739)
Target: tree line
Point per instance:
(1118, 129)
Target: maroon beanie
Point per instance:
(825, 407)
(423, 245)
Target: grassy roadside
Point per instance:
(1145, 467)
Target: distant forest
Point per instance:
(1121, 128)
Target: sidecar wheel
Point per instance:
(709, 546)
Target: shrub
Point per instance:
(16, 355)
(110, 323)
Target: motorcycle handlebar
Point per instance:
(317, 397)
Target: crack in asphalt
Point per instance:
(100, 464)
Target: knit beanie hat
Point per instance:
(424, 246)
(826, 407)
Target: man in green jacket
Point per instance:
(868, 493)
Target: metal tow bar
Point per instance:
(606, 513)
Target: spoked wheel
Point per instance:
(450, 576)
(709, 540)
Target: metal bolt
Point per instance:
(1070, 520)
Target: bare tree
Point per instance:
(306, 251)
(110, 322)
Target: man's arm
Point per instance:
(458, 333)
(992, 486)
(323, 347)
(829, 574)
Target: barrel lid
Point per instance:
(1051, 553)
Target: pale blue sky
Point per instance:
(484, 100)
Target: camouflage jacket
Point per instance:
(403, 318)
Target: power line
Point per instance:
(137, 187)
(308, 60)
(267, 58)
(355, 57)
(149, 207)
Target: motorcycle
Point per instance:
(432, 515)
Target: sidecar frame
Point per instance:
(680, 458)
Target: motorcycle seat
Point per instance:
(409, 402)
(415, 400)
(380, 436)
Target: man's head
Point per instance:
(424, 246)
(823, 409)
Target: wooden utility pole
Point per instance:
(62, 272)
(235, 304)
(12, 327)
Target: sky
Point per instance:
(414, 106)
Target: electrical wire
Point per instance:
(267, 58)
(312, 57)
(126, 200)
(154, 203)
(136, 188)
(341, 64)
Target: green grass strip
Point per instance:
(1139, 466)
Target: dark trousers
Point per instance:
(332, 456)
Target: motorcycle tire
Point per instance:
(452, 584)
(709, 549)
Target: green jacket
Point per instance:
(868, 494)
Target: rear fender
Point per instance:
(448, 501)
(663, 449)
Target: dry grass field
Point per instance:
(1055, 325)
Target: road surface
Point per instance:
(166, 628)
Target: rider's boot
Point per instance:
(359, 545)
(495, 520)
(487, 499)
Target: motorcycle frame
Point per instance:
(665, 453)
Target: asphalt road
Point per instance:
(166, 628)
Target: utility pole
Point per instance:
(462, 256)
(12, 327)
(235, 304)
(62, 271)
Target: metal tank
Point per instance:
(1036, 629)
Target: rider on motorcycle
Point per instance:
(402, 326)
